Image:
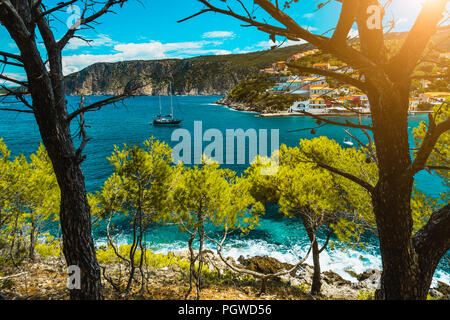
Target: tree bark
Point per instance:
(75, 212)
(431, 243)
(316, 281)
(201, 235)
(75, 215)
(192, 260)
(311, 231)
(31, 255)
(391, 197)
(45, 84)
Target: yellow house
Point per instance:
(321, 65)
(316, 102)
(279, 66)
(267, 70)
(294, 81)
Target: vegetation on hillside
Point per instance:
(255, 94)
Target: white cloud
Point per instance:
(269, 43)
(401, 20)
(308, 15)
(102, 40)
(15, 76)
(310, 28)
(354, 33)
(239, 51)
(77, 62)
(143, 51)
(218, 34)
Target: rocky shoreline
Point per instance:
(45, 279)
(237, 106)
(267, 113)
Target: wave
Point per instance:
(337, 260)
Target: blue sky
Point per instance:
(149, 30)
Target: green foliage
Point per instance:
(425, 106)
(253, 92)
(204, 195)
(248, 91)
(29, 198)
(139, 185)
(301, 187)
(138, 191)
(6, 284)
(366, 295)
(441, 152)
(438, 86)
(208, 194)
(107, 255)
(49, 247)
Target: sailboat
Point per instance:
(161, 119)
(348, 142)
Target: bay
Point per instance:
(129, 122)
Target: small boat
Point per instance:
(348, 142)
(166, 120)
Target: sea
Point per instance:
(276, 236)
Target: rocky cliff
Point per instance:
(207, 75)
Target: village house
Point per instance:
(434, 98)
(321, 65)
(320, 90)
(314, 81)
(317, 102)
(413, 104)
(425, 83)
(279, 66)
(268, 71)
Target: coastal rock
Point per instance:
(331, 277)
(266, 265)
(230, 103)
(444, 289)
(369, 279)
(369, 273)
(435, 294)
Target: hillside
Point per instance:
(205, 75)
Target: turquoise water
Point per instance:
(129, 123)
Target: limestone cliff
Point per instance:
(206, 75)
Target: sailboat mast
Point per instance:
(171, 102)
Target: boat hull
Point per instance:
(166, 122)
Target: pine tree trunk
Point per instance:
(201, 234)
(75, 215)
(316, 281)
(311, 230)
(31, 255)
(400, 268)
(391, 198)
